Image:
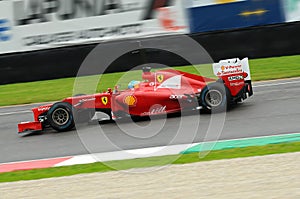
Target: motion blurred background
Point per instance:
(47, 39)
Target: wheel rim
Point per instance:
(213, 98)
(60, 116)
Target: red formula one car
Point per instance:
(161, 92)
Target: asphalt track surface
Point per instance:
(274, 109)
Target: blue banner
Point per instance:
(236, 14)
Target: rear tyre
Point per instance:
(60, 116)
(215, 97)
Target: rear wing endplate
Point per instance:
(231, 67)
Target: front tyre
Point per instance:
(60, 116)
(215, 97)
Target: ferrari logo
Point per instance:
(160, 78)
(104, 100)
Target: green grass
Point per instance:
(149, 162)
(54, 90)
(275, 68)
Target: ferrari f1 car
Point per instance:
(160, 92)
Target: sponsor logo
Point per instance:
(158, 110)
(104, 100)
(234, 78)
(231, 67)
(44, 108)
(41, 11)
(160, 78)
(176, 96)
(226, 70)
(130, 100)
(83, 34)
(88, 99)
(4, 30)
(141, 12)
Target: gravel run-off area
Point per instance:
(272, 176)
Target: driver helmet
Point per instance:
(133, 84)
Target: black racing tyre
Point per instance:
(60, 116)
(215, 97)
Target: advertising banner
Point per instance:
(211, 15)
(27, 25)
(292, 10)
(6, 35)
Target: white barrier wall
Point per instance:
(27, 25)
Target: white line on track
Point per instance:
(12, 113)
(276, 84)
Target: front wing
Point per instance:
(25, 128)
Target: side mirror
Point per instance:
(146, 69)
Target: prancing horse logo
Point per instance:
(104, 100)
(160, 78)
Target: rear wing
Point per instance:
(232, 67)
